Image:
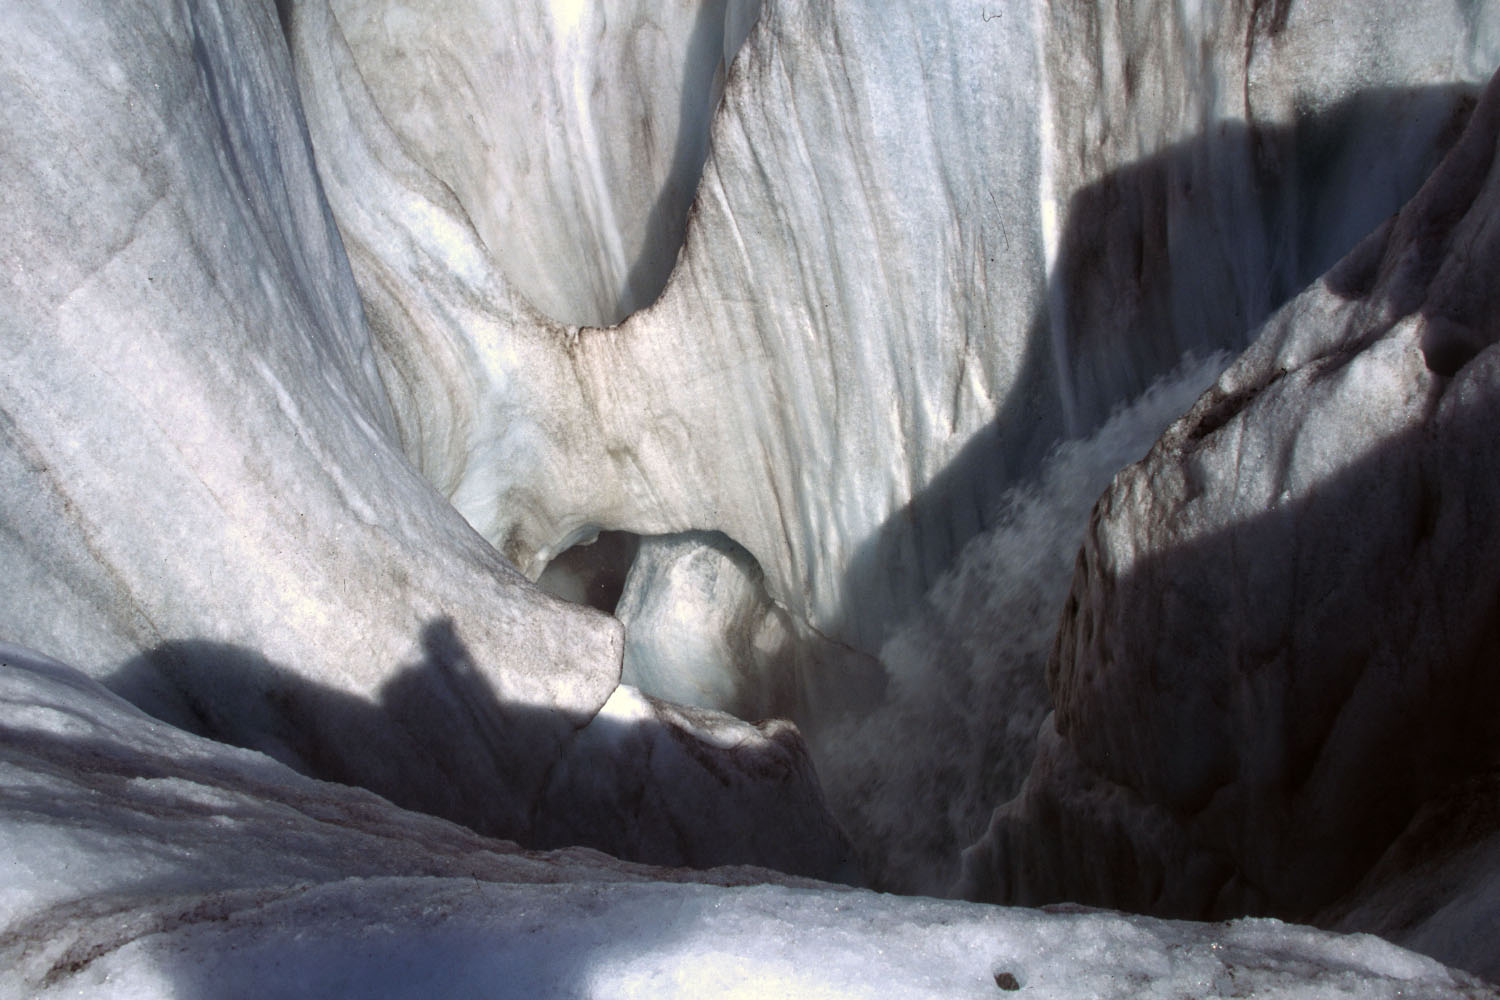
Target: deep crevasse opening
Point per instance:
(914, 747)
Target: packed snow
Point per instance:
(145, 862)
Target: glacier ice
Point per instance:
(745, 388)
(205, 497)
(1294, 585)
(298, 370)
(700, 629)
(908, 272)
(696, 623)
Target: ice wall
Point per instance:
(202, 491)
(1296, 588)
(928, 244)
(803, 378)
(1208, 161)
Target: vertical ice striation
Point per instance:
(572, 133)
(927, 245)
(838, 329)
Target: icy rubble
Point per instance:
(144, 862)
(967, 690)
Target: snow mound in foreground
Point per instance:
(146, 862)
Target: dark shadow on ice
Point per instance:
(436, 738)
(1186, 252)
(1192, 249)
(1321, 674)
(263, 885)
(284, 14)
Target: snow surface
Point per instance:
(140, 861)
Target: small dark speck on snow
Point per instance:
(1007, 981)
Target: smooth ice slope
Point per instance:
(1296, 586)
(144, 862)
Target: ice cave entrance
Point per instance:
(593, 571)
